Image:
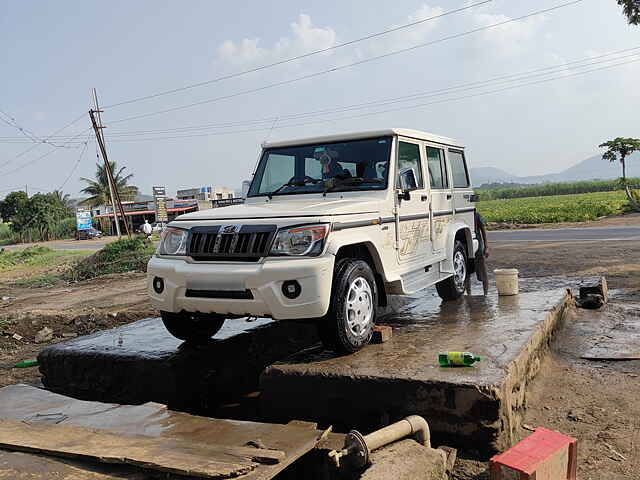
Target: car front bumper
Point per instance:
(264, 281)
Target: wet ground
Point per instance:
(141, 362)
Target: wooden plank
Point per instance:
(146, 452)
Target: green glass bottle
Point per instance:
(457, 359)
(26, 363)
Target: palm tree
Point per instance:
(99, 189)
(64, 199)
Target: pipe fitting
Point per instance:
(420, 430)
(357, 447)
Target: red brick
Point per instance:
(543, 455)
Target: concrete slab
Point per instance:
(475, 408)
(141, 362)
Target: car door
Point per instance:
(463, 205)
(413, 213)
(441, 200)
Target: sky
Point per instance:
(465, 87)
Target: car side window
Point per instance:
(458, 169)
(437, 168)
(409, 157)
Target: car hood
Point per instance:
(287, 209)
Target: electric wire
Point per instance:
(363, 115)
(73, 122)
(298, 57)
(75, 167)
(342, 67)
(494, 81)
(37, 159)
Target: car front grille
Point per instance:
(247, 243)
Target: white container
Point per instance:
(507, 281)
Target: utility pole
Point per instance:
(115, 195)
(26, 189)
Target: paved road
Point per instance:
(498, 236)
(565, 234)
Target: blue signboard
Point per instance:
(83, 220)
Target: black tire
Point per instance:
(348, 327)
(453, 287)
(192, 327)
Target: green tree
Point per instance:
(12, 204)
(98, 189)
(64, 199)
(619, 149)
(631, 8)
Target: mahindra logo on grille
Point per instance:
(230, 228)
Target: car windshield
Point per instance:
(340, 166)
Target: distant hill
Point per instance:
(592, 168)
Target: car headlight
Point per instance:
(305, 240)
(173, 241)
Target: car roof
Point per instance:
(404, 132)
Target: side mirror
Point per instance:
(474, 198)
(408, 183)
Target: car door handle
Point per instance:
(424, 198)
(448, 196)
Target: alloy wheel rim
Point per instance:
(460, 270)
(359, 306)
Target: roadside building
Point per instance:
(205, 193)
(139, 211)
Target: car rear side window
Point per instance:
(437, 168)
(458, 169)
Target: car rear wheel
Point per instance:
(348, 326)
(453, 287)
(192, 327)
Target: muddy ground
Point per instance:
(596, 402)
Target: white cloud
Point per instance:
(40, 116)
(305, 37)
(513, 38)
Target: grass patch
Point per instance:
(39, 281)
(553, 209)
(36, 256)
(124, 255)
(551, 189)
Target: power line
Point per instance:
(503, 79)
(37, 159)
(12, 122)
(410, 107)
(342, 67)
(75, 167)
(38, 144)
(298, 57)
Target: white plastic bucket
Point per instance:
(507, 281)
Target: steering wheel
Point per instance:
(306, 179)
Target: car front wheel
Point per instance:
(348, 326)
(192, 327)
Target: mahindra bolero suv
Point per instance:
(331, 226)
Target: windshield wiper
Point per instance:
(339, 182)
(294, 183)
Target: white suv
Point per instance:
(330, 227)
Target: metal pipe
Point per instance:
(357, 447)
